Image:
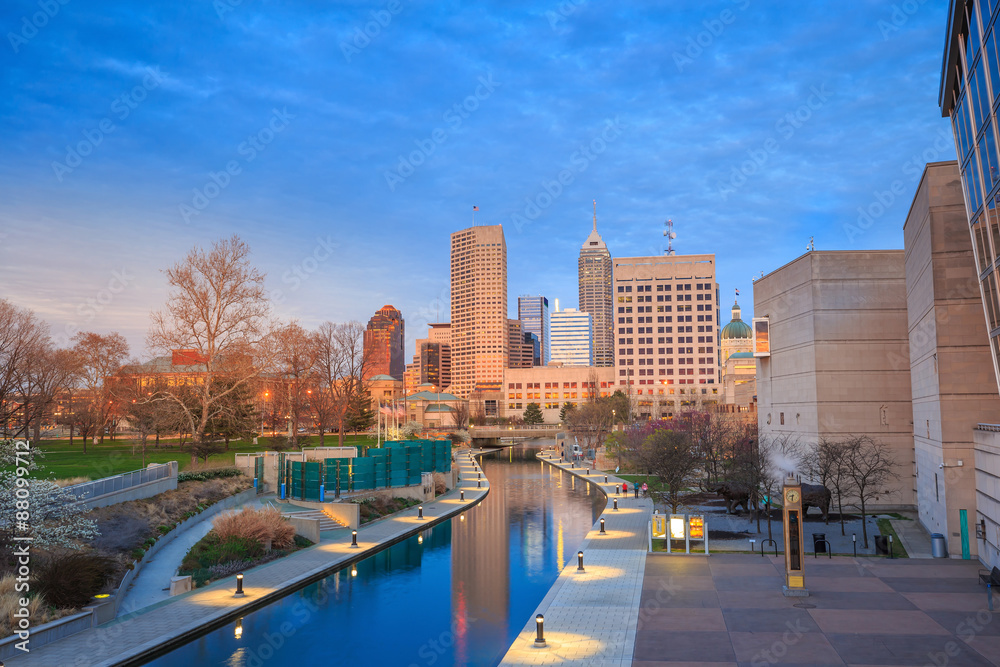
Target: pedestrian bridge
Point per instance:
(501, 433)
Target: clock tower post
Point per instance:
(791, 501)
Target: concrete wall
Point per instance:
(839, 361)
(137, 492)
(951, 370)
(307, 528)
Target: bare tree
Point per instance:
(218, 307)
(461, 414)
(295, 367)
(21, 334)
(99, 358)
(674, 458)
(591, 422)
(827, 464)
(342, 364)
(761, 465)
(871, 468)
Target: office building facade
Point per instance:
(667, 332)
(533, 311)
(383, 344)
(572, 336)
(595, 268)
(479, 342)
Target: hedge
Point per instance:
(202, 475)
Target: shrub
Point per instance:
(72, 579)
(205, 475)
(38, 611)
(121, 531)
(256, 525)
(70, 481)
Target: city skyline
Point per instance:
(684, 83)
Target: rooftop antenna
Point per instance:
(671, 235)
(595, 215)
(811, 246)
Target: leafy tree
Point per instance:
(360, 415)
(565, 411)
(533, 414)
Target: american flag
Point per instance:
(475, 208)
(737, 291)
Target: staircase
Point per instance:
(326, 522)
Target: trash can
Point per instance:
(939, 547)
(881, 545)
(819, 543)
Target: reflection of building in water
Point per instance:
(480, 558)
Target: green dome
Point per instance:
(737, 328)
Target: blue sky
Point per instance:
(345, 141)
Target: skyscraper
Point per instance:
(479, 345)
(383, 343)
(533, 311)
(572, 336)
(595, 273)
(667, 331)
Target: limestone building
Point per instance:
(739, 368)
(554, 385)
(479, 343)
(950, 363)
(839, 362)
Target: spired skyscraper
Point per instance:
(596, 297)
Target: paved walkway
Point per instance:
(729, 610)
(914, 537)
(591, 617)
(139, 634)
(152, 584)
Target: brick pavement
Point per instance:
(729, 610)
(591, 617)
(129, 638)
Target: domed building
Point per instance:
(739, 368)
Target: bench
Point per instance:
(991, 578)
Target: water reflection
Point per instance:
(458, 597)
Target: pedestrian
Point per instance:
(635, 487)
(645, 489)
(625, 488)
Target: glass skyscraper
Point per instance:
(533, 311)
(969, 93)
(571, 338)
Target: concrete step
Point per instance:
(326, 522)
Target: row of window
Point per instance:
(662, 319)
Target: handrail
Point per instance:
(120, 482)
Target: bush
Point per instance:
(71, 580)
(256, 525)
(205, 475)
(38, 610)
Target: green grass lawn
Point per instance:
(651, 480)
(103, 460)
(885, 528)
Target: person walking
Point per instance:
(635, 487)
(625, 488)
(645, 489)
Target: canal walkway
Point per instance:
(591, 617)
(137, 637)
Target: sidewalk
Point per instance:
(591, 617)
(152, 584)
(139, 635)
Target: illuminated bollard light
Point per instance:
(480, 476)
(605, 479)
(854, 540)
(618, 489)
(239, 586)
(479, 484)
(579, 561)
(616, 504)
(420, 512)
(354, 539)
(539, 630)
(602, 525)
(461, 495)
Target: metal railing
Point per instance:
(126, 480)
(988, 427)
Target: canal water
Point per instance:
(458, 594)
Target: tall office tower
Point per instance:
(533, 311)
(432, 361)
(384, 340)
(572, 337)
(667, 330)
(521, 351)
(595, 271)
(479, 345)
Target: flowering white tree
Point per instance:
(47, 513)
